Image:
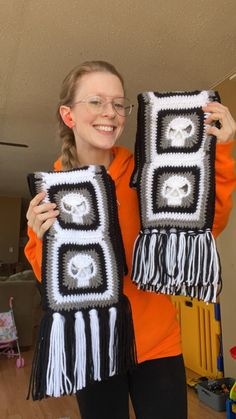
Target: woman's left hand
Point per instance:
(221, 113)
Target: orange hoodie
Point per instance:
(156, 327)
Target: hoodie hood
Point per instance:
(122, 159)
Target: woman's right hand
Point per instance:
(41, 216)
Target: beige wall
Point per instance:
(10, 209)
(227, 249)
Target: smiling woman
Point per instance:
(91, 114)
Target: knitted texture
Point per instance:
(87, 332)
(175, 252)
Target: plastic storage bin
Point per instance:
(214, 399)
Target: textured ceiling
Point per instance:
(156, 45)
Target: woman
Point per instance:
(91, 120)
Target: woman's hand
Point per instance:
(221, 113)
(41, 216)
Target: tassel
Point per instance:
(37, 384)
(80, 352)
(95, 338)
(58, 382)
(112, 347)
(125, 341)
(177, 263)
(50, 369)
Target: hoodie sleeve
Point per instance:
(225, 185)
(33, 252)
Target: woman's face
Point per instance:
(97, 131)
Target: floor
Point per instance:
(13, 403)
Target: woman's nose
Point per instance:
(108, 109)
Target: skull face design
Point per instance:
(179, 130)
(175, 188)
(82, 268)
(76, 205)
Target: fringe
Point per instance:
(80, 352)
(76, 349)
(37, 382)
(112, 347)
(57, 381)
(95, 339)
(177, 263)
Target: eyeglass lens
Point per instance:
(121, 105)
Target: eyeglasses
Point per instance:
(96, 104)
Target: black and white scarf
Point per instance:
(175, 252)
(87, 332)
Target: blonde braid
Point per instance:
(69, 158)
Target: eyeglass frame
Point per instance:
(131, 106)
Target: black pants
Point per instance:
(157, 389)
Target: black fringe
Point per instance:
(37, 383)
(125, 343)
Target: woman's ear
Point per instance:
(66, 116)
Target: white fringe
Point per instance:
(80, 352)
(190, 268)
(150, 266)
(57, 382)
(112, 349)
(94, 326)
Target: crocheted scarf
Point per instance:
(175, 252)
(87, 332)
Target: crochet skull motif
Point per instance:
(179, 130)
(82, 268)
(76, 205)
(175, 188)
